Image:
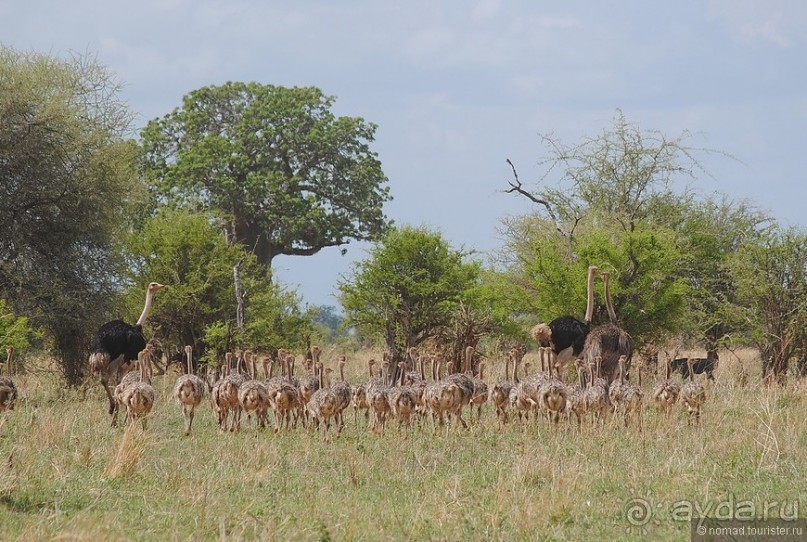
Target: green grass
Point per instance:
(65, 474)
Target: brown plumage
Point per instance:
(138, 398)
(499, 393)
(479, 396)
(575, 400)
(442, 397)
(189, 391)
(693, 395)
(553, 391)
(608, 341)
(377, 399)
(224, 396)
(596, 395)
(631, 397)
(402, 399)
(665, 393)
(341, 388)
(253, 395)
(323, 403)
(518, 395)
(131, 377)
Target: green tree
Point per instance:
(649, 297)
(771, 278)
(15, 330)
(282, 172)
(67, 185)
(612, 204)
(408, 289)
(711, 233)
(187, 251)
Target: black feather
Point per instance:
(117, 338)
(699, 366)
(568, 331)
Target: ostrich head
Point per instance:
(155, 287)
(542, 334)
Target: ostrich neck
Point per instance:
(146, 309)
(190, 364)
(590, 295)
(608, 304)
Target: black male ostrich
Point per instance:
(116, 346)
(566, 335)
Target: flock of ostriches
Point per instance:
(398, 392)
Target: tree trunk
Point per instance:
(71, 348)
(239, 297)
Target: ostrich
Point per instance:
(499, 393)
(608, 341)
(553, 393)
(343, 393)
(189, 390)
(8, 391)
(693, 395)
(117, 344)
(566, 334)
(665, 393)
(138, 398)
(132, 377)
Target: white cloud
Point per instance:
(781, 22)
(485, 9)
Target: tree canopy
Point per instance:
(283, 173)
(410, 287)
(67, 185)
(771, 281)
(187, 251)
(613, 203)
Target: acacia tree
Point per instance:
(771, 277)
(610, 201)
(408, 289)
(67, 184)
(283, 173)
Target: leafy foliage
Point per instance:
(15, 330)
(409, 287)
(771, 280)
(68, 184)
(614, 206)
(187, 252)
(274, 163)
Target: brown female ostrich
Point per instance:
(608, 341)
(499, 394)
(566, 335)
(117, 344)
(665, 393)
(8, 391)
(341, 388)
(693, 395)
(552, 393)
(323, 403)
(188, 391)
(138, 398)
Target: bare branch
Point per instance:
(517, 187)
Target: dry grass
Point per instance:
(66, 475)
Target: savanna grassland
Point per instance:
(66, 475)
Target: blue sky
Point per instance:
(457, 87)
